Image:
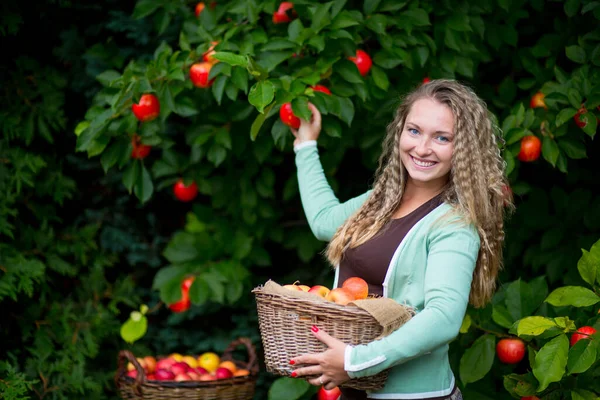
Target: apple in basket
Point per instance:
(207, 377)
(165, 363)
(358, 287)
(179, 368)
(320, 290)
(340, 296)
(182, 377)
(223, 373)
(293, 287)
(164, 375)
(132, 374)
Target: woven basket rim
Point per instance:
(326, 305)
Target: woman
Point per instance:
(429, 234)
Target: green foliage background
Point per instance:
(87, 235)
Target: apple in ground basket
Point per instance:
(180, 368)
(223, 373)
(164, 375)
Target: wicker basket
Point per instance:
(285, 324)
(236, 388)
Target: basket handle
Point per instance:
(252, 364)
(122, 359)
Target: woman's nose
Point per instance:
(423, 146)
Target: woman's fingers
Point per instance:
(306, 371)
(316, 115)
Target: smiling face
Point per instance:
(427, 143)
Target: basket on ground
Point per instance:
(236, 388)
(285, 323)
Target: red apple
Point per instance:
(577, 117)
(147, 109)
(537, 100)
(150, 364)
(363, 62)
(287, 116)
(208, 56)
(165, 363)
(208, 377)
(358, 287)
(426, 80)
(132, 374)
(139, 151)
(510, 350)
(304, 288)
(199, 371)
(340, 296)
(530, 398)
(164, 375)
(179, 368)
(582, 333)
(285, 13)
(332, 394)
(200, 7)
(183, 192)
(199, 74)
(184, 303)
(182, 377)
(531, 148)
(319, 290)
(321, 88)
(223, 373)
(151, 377)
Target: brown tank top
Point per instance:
(371, 260)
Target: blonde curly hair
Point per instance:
(477, 188)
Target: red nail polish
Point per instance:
(314, 329)
(293, 374)
(292, 362)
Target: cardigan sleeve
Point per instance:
(451, 259)
(323, 210)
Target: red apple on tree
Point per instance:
(363, 62)
(199, 74)
(582, 333)
(537, 100)
(183, 192)
(577, 117)
(182, 305)
(322, 89)
(426, 80)
(531, 148)
(200, 7)
(287, 116)
(510, 350)
(285, 13)
(147, 108)
(139, 151)
(332, 394)
(208, 56)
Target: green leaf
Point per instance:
(466, 324)
(259, 121)
(534, 326)
(182, 248)
(107, 77)
(369, 6)
(575, 53)
(199, 291)
(571, 7)
(551, 361)
(348, 70)
(580, 394)
(320, 17)
(218, 88)
(416, 16)
(582, 356)
(134, 328)
(502, 317)
(591, 124)
(550, 150)
(346, 111)
(130, 175)
(231, 59)
(216, 154)
(565, 115)
(278, 44)
(380, 77)
(288, 388)
(573, 148)
(143, 184)
(576, 296)
(144, 8)
(300, 108)
(239, 77)
(343, 20)
(477, 361)
(519, 300)
(332, 127)
(589, 266)
(261, 94)
(377, 23)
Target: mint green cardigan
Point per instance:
(431, 270)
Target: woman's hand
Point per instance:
(309, 130)
(329, 365)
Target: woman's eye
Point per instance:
(443, 139)
(413, 131)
